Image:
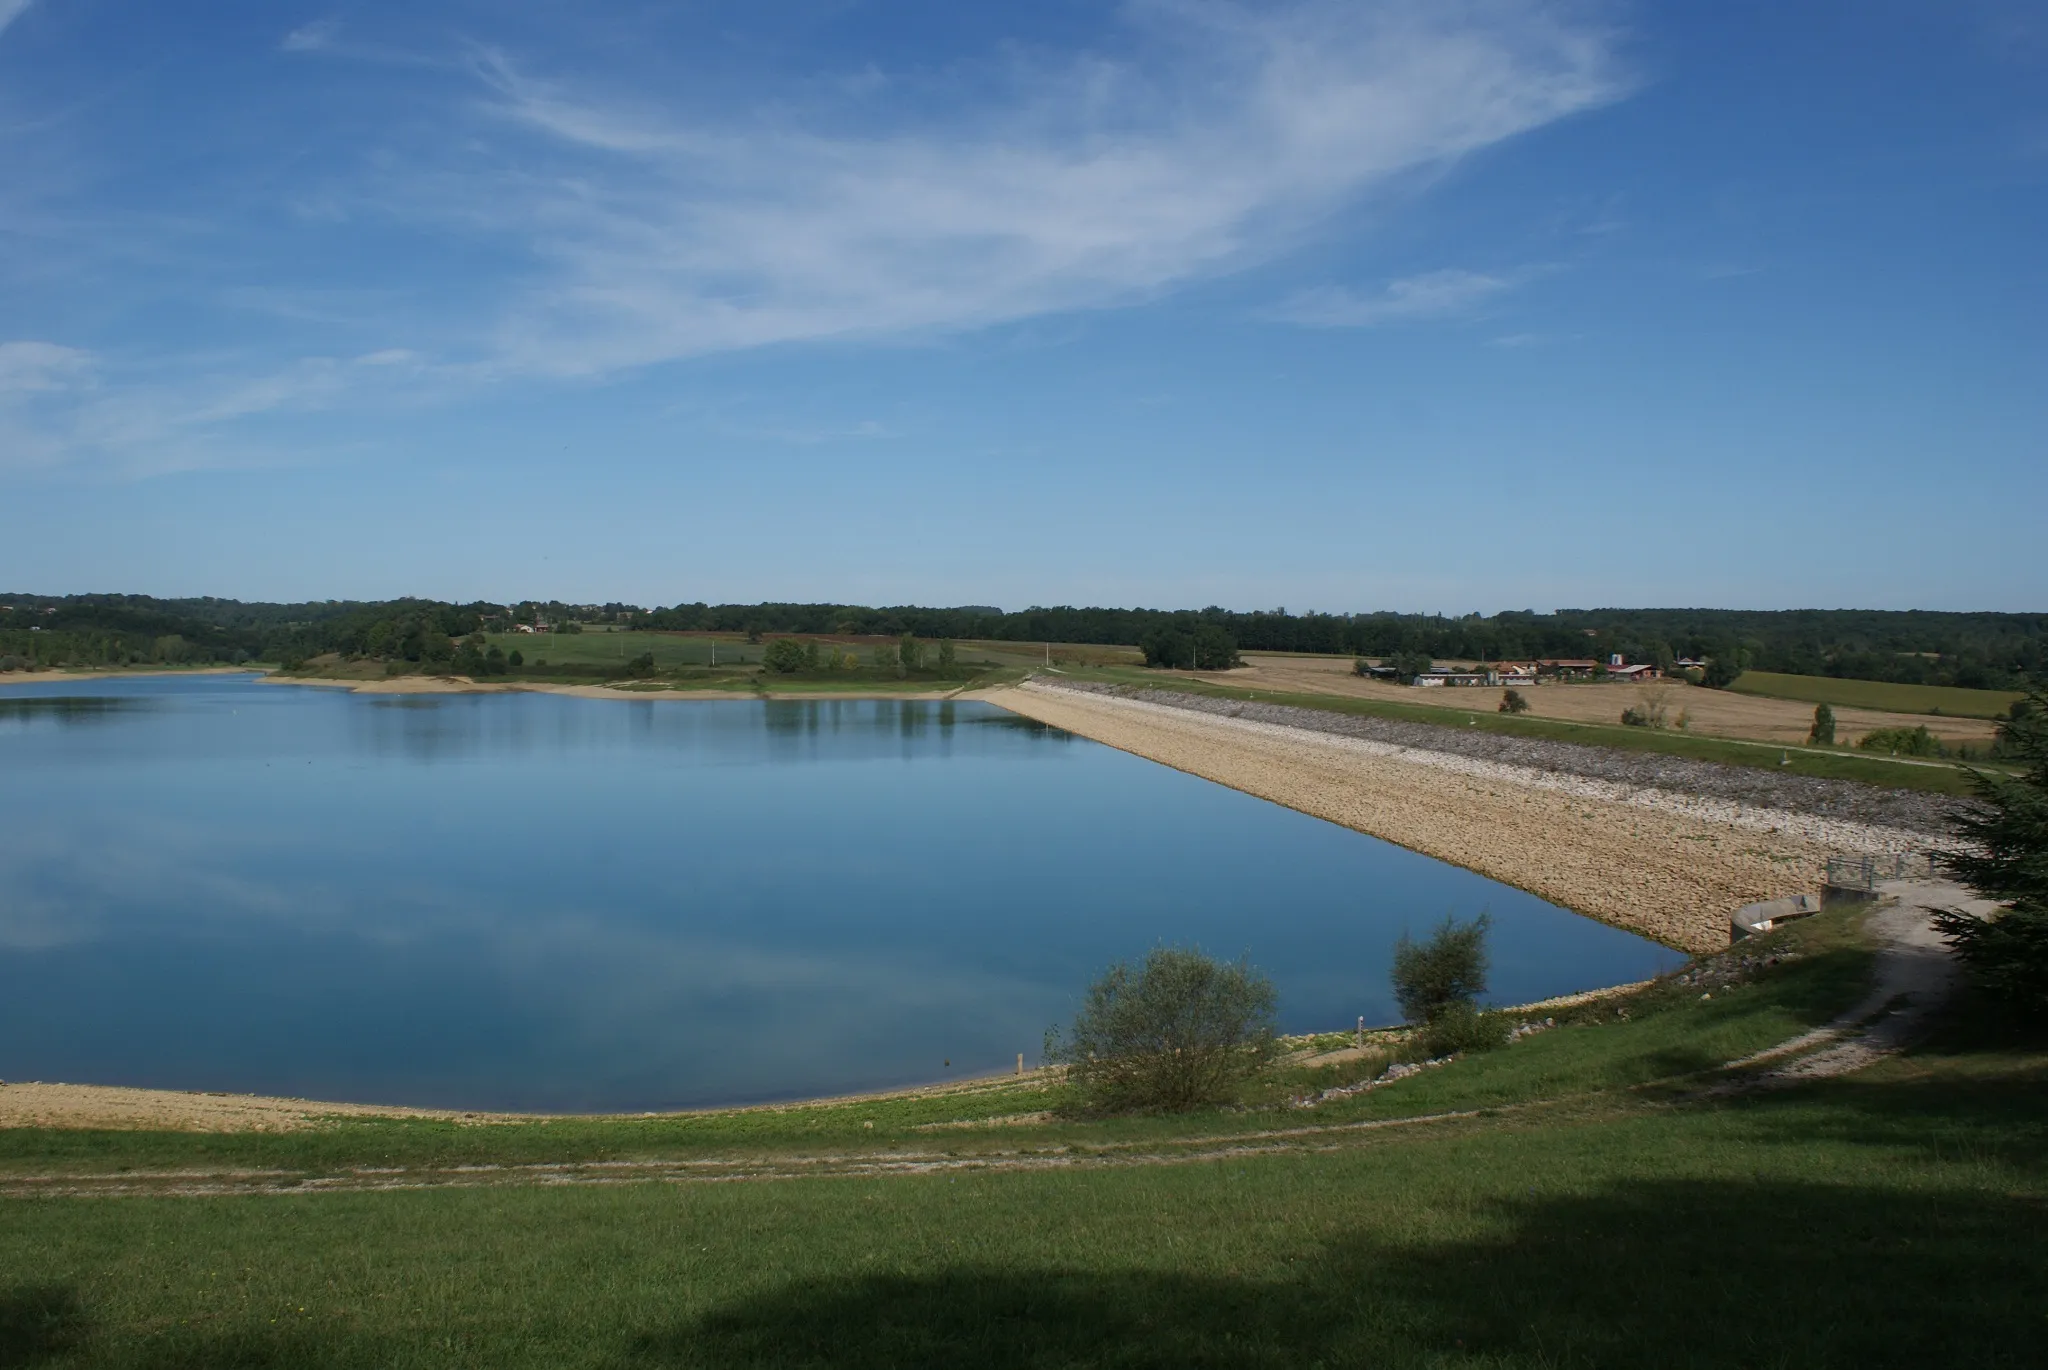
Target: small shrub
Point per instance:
(784, 656)
(515, 659)
(1179, 1031)
(641, 666)
(1448, 970)
(1462, 1027)
(1822, 734)
(1648, 714)
(1902, 742)
(1513, 702)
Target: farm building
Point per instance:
(1499, 675)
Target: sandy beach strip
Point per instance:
(41, 1104)
(1652, 863)
(463, 685)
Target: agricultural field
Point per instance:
(1600, 1193)
(1944, 700)
(1712, 713)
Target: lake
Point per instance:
(535, 902)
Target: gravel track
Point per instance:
(1927, 817)
(1668, 865)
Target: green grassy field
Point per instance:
(1831, 763)
(671, 650)
(1877, 694)
(1589, 1204)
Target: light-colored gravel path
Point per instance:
(1914, 976)
(1669, 866)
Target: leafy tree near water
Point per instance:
(1438, 984)
(784, 656)
(2007, 861)
(1177, 1032)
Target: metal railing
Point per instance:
(1868, 872)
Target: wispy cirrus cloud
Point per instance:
(28, 366)
(1232, 135)
(315, 36)
(1431, 295)
(606, 225)
(11, 10)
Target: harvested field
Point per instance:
(1713, 713)
(1668, 865)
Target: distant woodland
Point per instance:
(1975, 650)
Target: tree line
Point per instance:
(1978, 650)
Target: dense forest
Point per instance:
(1981, 650)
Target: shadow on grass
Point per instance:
(1677, 1273)
(1682, 1273)
(39, 1323)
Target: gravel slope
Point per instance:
(1660, 862)
(1925, 815)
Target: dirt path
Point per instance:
(1915, 974)
(200, 1183)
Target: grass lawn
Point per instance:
(1592, 1207)
(1838, 764)
(1878, 694)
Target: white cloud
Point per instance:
(11, 10)
(1234, 133)
(40, 366)
(1531, 339)
(1217, 135)
(313, 37)
(1432, 295)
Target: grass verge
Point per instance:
(1590, 1206)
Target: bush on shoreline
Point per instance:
(1179, 1031)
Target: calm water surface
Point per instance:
(538, 902)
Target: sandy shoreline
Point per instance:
(45, 677)
(1669, 872)
(42, 1103)
(463, 685)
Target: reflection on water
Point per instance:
(65, 709)
(532, 901)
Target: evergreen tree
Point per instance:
(2007, 861)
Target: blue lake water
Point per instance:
(536, 902)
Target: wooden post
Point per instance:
(1361, 1029)
(1020, 1063)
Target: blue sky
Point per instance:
(1428, 306)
